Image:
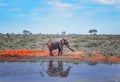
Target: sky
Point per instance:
(55, 16)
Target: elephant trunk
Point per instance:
(71, 48)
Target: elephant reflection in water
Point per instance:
(57, 70)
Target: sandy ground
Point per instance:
(42, 54)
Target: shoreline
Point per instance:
(27, 55)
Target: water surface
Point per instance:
(59, 71)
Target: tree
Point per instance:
(26, 32)
(63, 32)
(93, 31)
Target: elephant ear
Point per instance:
(62, 41)
(65, 41)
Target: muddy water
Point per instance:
(59, 71)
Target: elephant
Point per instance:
(58, 44)
(57, 71)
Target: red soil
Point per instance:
(29, 53)
(78, 55)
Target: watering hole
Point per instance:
(59, 71)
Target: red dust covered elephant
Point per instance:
(58, 44)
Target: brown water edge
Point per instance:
(21, 55)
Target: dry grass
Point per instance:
(107, 44)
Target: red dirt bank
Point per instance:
(68, 55)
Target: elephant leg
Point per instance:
(60, 49)
(51, 54)
(59, 52)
